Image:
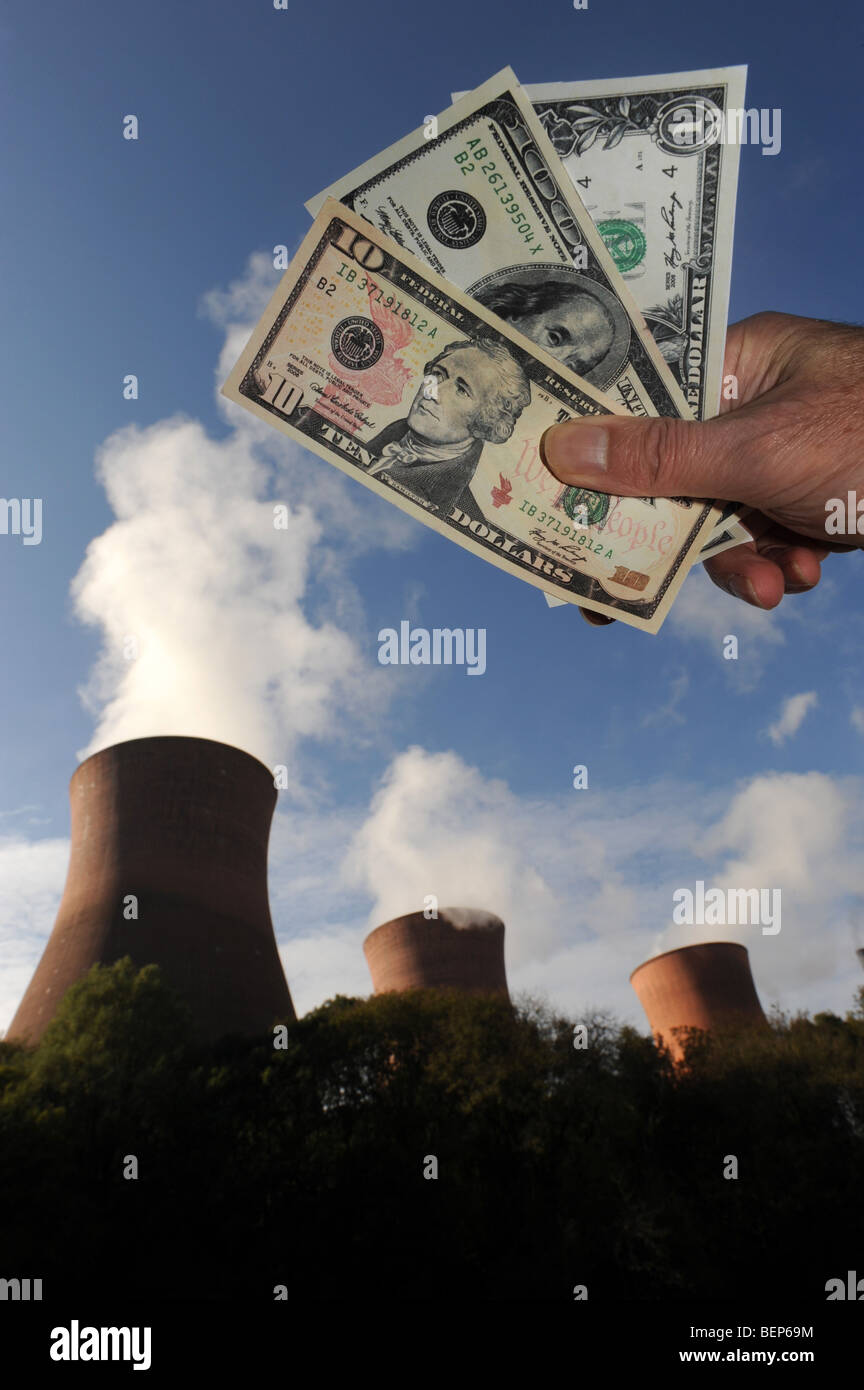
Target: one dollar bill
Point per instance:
(660, 182)
(368, 358)
(654, 163)
(656, 169)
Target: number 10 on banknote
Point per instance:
(374, 362)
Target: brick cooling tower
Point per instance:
(181, 824)
(707, 986)
(462, 949)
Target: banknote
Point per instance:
(652, 162)
(736, 535)
(657, 171)
(382, 367)
(515, 234)
(487, 204)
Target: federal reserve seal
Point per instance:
(357, 343)
(625, 242)
(456, 219)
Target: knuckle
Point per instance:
(770, 318)
(653, 453)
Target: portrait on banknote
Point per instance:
(576, 320)
(472, 394)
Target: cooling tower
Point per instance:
(181, 825)
(706, 986)
(462, 949)
(860, 954)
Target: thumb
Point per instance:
(655, 457)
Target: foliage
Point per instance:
(303, 1165)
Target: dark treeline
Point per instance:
(303, 1165)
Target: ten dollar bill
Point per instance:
(383, 368)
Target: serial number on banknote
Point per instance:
(377, 296)
(466, 161)
(549, 519)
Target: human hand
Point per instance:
(792, 440)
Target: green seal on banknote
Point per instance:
(585, 507)
(625, 242)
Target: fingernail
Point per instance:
(742, 588)
(799, 581)
(595, 619)
(574, 451)
(800, 578)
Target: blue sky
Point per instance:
(155, 257)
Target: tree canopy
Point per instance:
(303, 1164)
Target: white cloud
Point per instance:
(585, 886)
(245, 633)
(669, 713)
(438, 826)
(705, 614)
(792, 715)
(802, 833)
(196, 574)
(32, 874)
(319, 920)
(236, 310)
(325, 963)
(246, 297)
